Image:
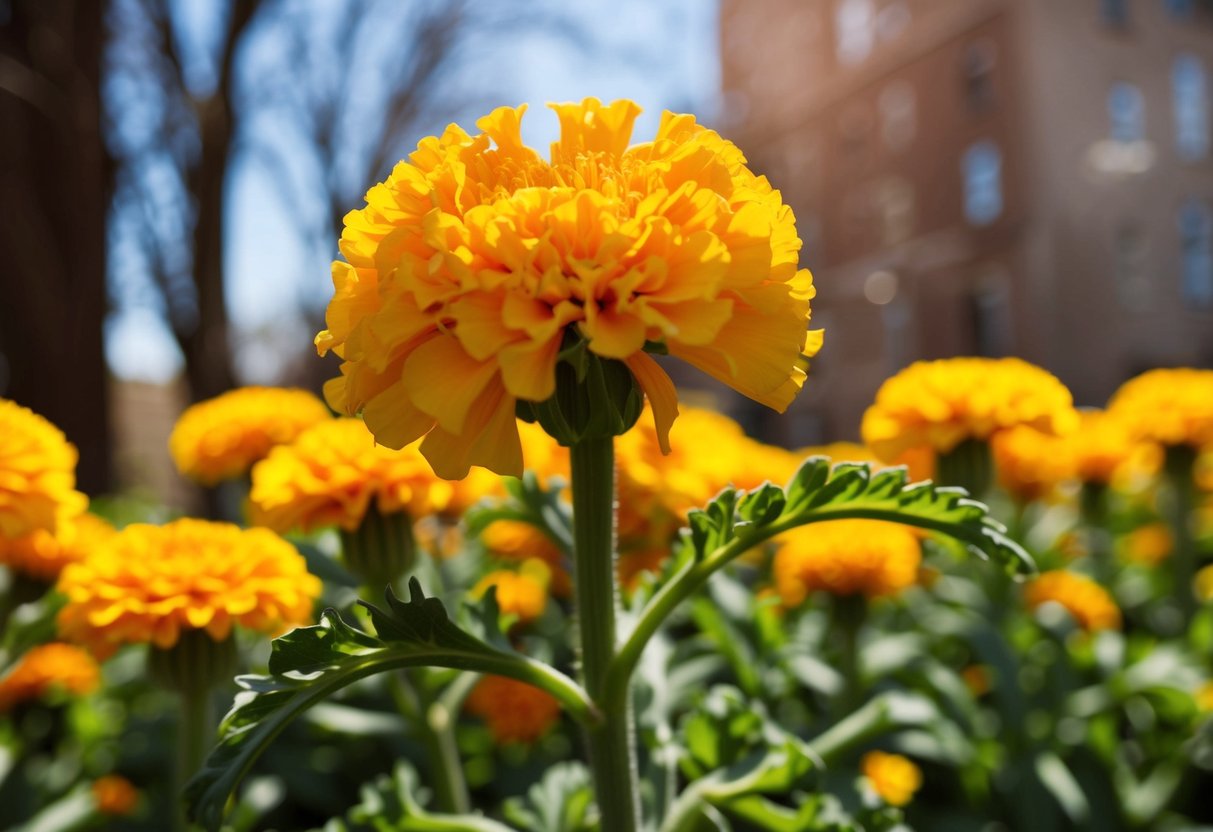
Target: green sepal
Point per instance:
(595, 397)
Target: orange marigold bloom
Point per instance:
(1149, 545)
(43, 555)
(1204, 584)
(891, 776)
(46, 669)
(115, 795)
(1204, 697)
(1030, 464)
(518, 541)
(470, 263)
(149, 583)
(845, 557)
(37, 473)
(514, 711)
(1105, 450)
(221, 438)
(936, 405)
(523, 593)
(1169, 406)
(1087, 602)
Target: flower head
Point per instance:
(891, 776)
(47, 669)
(936, 405)
(845, 557)
(514, 711)
(523, 593)
(115, 795)
(1169, 406)
(1148, 545)
(222, 437)
(1030, 464)
(37, 473)
(151, 583)
(518, 541)
(1204, 696)
(42, 555)
(1088, 603)
(470, 265)
(1105, 450)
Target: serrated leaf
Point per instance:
(563, 801)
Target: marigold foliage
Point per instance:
(115, 795)
(1090, 605)
(892, 776)
(42, 555)
(1168, 406)
(148, 583)
(919, 462)
(221, 438)
(471, 261)
(1030, 464)
(514, 711)
(46, 669)
(845, 557)
(37, 473)
(936, 405)
(523, 593)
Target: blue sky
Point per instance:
(663, 55)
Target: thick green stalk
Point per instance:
(848, 614)
(611, 750)
(195, 735)
(1180, 460)
(1093, 502)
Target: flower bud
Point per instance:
(595, 398)
(382, 549)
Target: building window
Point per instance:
(1190, 89)
(1127, 113)
(979, 61)
(898, 115)
(1115, 12)
(1196, 248)
(854, 24)
(981, 167)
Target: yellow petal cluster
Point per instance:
(1105, 450)
(221, 438)
(149, 583)
(1168, 406)
(1030, 464)
(114, 795)
(1087, 602)
(936, 405)
(469, 264)
(37, 473)
(1148, 545)
(522, 593)
(49, 668)
(845, 557)
(518, 541)
(514, 711)
(42, 555)
(892, 776)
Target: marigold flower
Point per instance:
(221, 438)
(37, 473)
(470, 263)
(1148, 545)
(1204, 697)
(845, 557)
(977, 679)
(518, 541)
(46, 669)
(936, 405)
(1030, 464)
(514, 711)
(115, 795)
(1106, 451)
(1087, 602)
(523, 593)
(42, 555)
(1204, 584)
(150, 583)
(1169, 406)
(892, 776)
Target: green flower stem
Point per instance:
(967, 465)
(1180, 460)
(195, 735)
(848, 615)
(872, 720)
(1093, 505)
(438, 735)
(611, 750)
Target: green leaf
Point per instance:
(310, 664)
(563, 801)
(530, 501)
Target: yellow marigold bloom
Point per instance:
(468, 265)
(1030, 464)
(1148, 545)
(37, 473)
(1087, 602)
(331, 474)
(845, 557)
(222, 437)
(514, 711)
(518, 541)
(1106, 451)
(1170, 407)
(1204, 696)
(115, 795)
(149, 583)
(523, 593)
(936, 405)
(46, 669)
(891, 776)
(42, 555)
(1204, 584)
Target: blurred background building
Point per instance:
(993, 177)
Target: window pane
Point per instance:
(1196, 245)
(1191, 99)
(1127, 113)
(982, 170)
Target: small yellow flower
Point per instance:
(514, 711)
(470, 263)
(518, 541)
(1148, 545)
(42, 555)
(1031, 465)
(221, 438)
(1204, 697)
(149, 583)
(47, 669)
(1087, 602)
(936, 405)
(1106, 451)
(115, 795)
(523, 593)
(845, 557)
(37, 473)
(1170, 406)
(892, 776)
(1204, 583)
